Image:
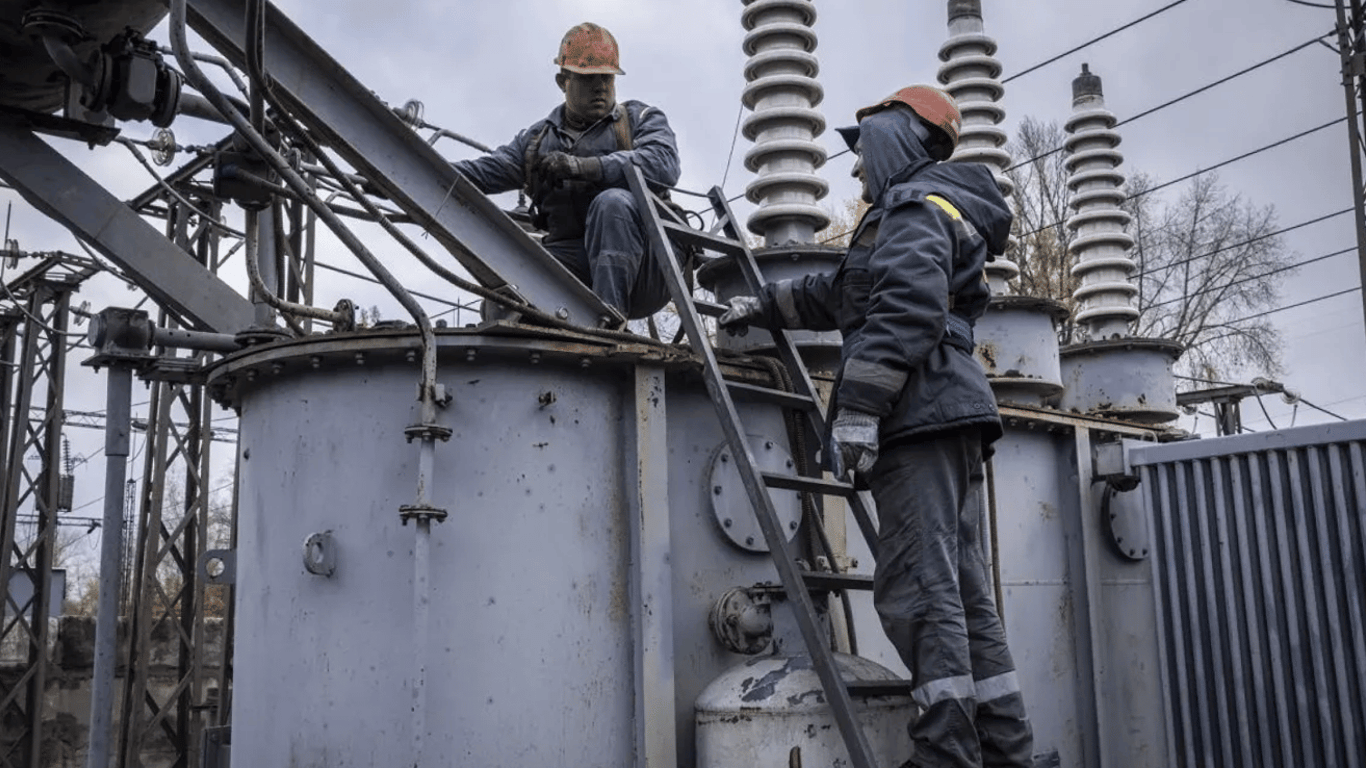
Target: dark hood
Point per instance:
(893, 153)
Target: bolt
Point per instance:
(1119, 539)
(535, 358)
(584, 362)
(562, 313)
(360, 358)
(315, 361)
(768, 445)
(275, 368)
(469, 355)
(411, 356)
(749, 541)
(717, 490)
(251, 375)
(792, 525)
(727, 522)
(725, 457)
(789, 463)
(732, 620)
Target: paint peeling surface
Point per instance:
(758, 712)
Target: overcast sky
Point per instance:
(484, 70)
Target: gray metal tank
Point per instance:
(533, 646)
(28, 78)
(771, 711)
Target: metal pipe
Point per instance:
(67, 61)
(195, 76)
(183, 338)
(427, 389)
(117, 427)
(194, 105)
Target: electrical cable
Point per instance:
(1254, 277)
(1182, 98)
(1312, 5)
(132, 147)
(1257, 394)
(1093, 41)
(733, 139)
(369, 279)
(1216, 166)
(1249, 241)
(1295, 306)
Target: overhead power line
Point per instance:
(1214, 167)
(1182, 98)
(1093, 41)
(1307, 302)
(1241, 243)
(1278, 270)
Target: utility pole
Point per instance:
(1352, 48)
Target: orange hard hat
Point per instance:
(933, 105)
(589, 49)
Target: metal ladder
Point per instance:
(663, 231)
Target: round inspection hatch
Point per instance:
(730, 501)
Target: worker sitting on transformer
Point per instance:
(573, 165)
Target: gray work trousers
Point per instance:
(934, 596)
(613, 259)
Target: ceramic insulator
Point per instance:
(971, 73)
(783, 94)
(1105, 307)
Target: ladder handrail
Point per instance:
(787, 351)
(822, 658)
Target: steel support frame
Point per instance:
(366, 133)
(40, 372)
(1351, 25)
(55, 186)
(171, 534)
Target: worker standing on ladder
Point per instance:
(914, 413)
(573, 166)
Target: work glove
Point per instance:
(743, 310)
(853, 440)
(562, 165)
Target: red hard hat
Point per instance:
(931, 104)
(588, 49)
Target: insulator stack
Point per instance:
(971, 73)
(1108, 372)
(1105, 299)
(783, 93)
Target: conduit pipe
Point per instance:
(421, 511)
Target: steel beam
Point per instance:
(55, 186)
(41, 374)
(367, 134)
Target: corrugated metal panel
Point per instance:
(1261, 589)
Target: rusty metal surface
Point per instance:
(1130, 379)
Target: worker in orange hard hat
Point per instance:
(914, 414)
(573, 166)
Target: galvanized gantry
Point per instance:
(35, 344)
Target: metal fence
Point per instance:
(1260, 546)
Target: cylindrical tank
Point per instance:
(532, 643)
(28, 78)
(757, 713)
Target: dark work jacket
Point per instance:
(565, 207)
(910, 264)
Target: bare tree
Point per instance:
(1207, 264)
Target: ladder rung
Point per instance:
(811, 484)
(690, 236)
(710, 308)
(835, 581)
(769, 395)
(869, 688)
